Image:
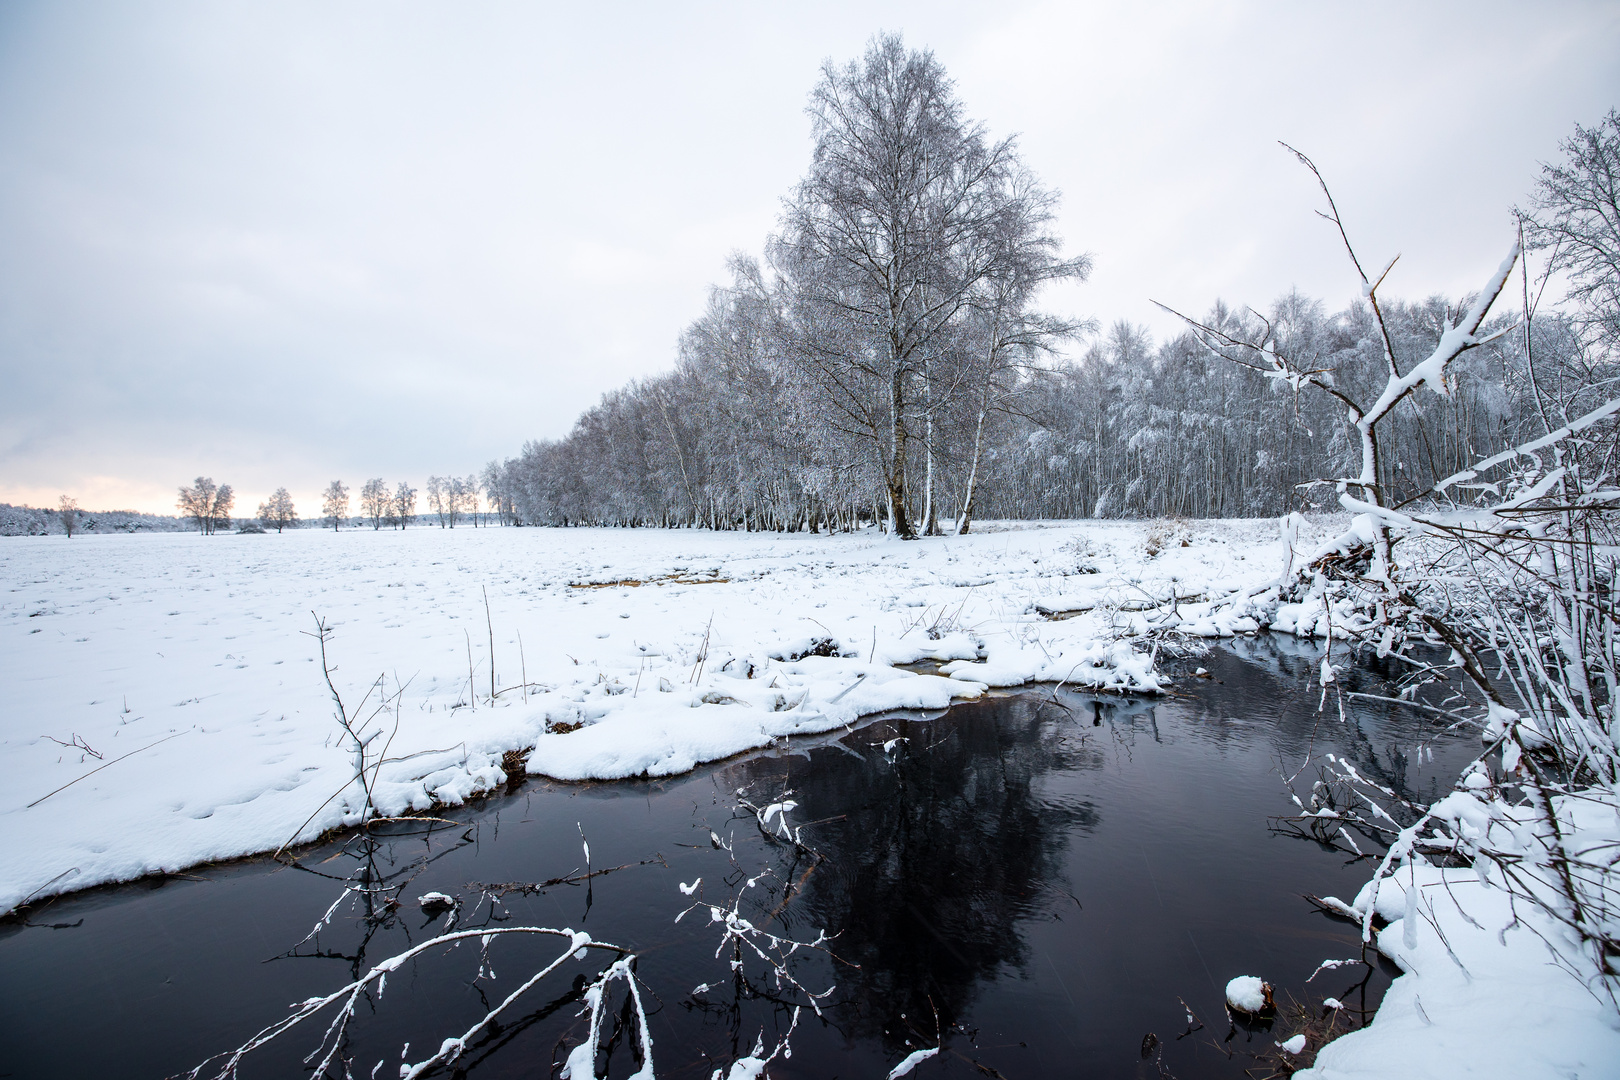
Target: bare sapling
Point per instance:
(360, 733)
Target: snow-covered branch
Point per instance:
(375, 981)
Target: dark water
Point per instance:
(1046, 879)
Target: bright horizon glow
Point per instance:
(279, 246)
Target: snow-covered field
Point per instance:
(195, 653)
(166, 706)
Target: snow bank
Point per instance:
(184, 662)
(1319, 616)
(1089, 666)
(1488, 987)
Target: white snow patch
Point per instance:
(1494, 995)
(912, 1060)
(1246, 993)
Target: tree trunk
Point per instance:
(930, 514)
(973, 477)
(899, 514)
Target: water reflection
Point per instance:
(947, 844)
(1053, 873)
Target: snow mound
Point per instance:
(1093, 666)
(1248, 994)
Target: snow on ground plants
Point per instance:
(645, 652)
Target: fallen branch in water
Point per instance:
(348, 997)
(529, 888)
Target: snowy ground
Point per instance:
(194, 652)
(1488, 989)
(643, 651)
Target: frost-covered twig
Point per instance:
(743, 938)
(98, 768)
(752, 1065)
(745, 941)
(529, 888)
(78, 744)
(581, 1064)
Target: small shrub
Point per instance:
(1082, 555)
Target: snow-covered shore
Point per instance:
(1490, 984)
(193, 653)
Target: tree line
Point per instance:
(449, 499)
(886, 360)
(27, 520)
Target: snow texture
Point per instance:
(185, 661)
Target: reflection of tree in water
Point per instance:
(1377, 737)
(947, 843)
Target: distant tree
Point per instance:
(278, 511)
(438, 499)
(403, 505)
(456, 496)
(197, 501)
(374, 501)
(469, 497)
(335, 503)
(224, 502)
(494, 483)
(207, 503)
(68, 510)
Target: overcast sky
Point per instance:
(279, 244)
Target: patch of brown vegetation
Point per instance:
(515, 764)
(1319, 1024)
(636, 583)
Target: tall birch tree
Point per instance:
(887, 235)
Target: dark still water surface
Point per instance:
(1051, 878)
